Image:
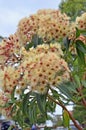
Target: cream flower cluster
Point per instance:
(40, 67)
(81, 21)
(5, 108)
(48, 24)
(8, 47)
(43, 67)
(40, 49)
(9, 77)
(3, 100)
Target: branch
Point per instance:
(70, 115)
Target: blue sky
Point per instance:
(11, 11)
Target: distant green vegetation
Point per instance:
(73, 8)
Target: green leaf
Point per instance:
(66, 119)
(8, 104)
(68, 89)
(31, 114)
(47, 128)
(83, 83)
(41, 118)
(77, 32)
(81, 46)
(36, 40)
(40, 41)
(41, 101)
(10, 128)
(83, 32)
(19, 118)
(66, 42)
(81, 56)
(55, 93)
(77, 80)
(29, 45)
(25, 103)
(32, 111)
(13, 110)
(81, 51)
(50, 106)
(13, 95)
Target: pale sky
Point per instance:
(11, 11)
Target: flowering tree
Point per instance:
(41, 65)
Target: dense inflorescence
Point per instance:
(47, 24)
(39, 68)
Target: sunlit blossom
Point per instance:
(81, 21)
(48, 24)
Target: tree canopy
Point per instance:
(73, 7)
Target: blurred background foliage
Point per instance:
(73, 8)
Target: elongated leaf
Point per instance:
(81, 51)
(55, 93)
(50, 106)
(41, 101)
(40, 41)
(32, 111)
(25, 103)
(41, 118)
(66, 119)
(13, 94)
(66, 42)
(77, 32)
(77, 80)
(19, 118)
(84, 83)
(8, 104)
(67, 89)
(10, 128)
(83, 32)
(30, 114)
(35, 40)
(81, 56)
(35, 112)
(81, 46)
